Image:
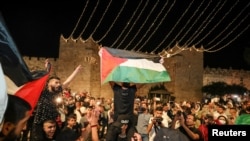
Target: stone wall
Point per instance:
(229, 76)
(185, 69)
(186, 72)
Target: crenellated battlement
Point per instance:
(226, 72)
(230, 76)
(77, 42)
(37, 63)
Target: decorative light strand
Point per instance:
(186, 23)
(77, 24)
(225, 37)
(210, 31)
(138, 17)
(206, 21)
(215, 44)
(170, 52)
(231, 40)
(183, 14)
(201, 49)
(118, 15)
(103, 15)
(138, 6)
(153, 23)
(89, 19)
(230, 25)
(139, 30)
(159, 24)
(196, 20)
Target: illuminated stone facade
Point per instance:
(229, 76)
(185, 69)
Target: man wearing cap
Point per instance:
(120, 131)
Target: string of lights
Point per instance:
(103, 15)
(78, 21)
(178, 22)
(156, 29)
(196, 27)
(127, 25)
(149, 29)
(226, 36)
(226, 28)
(118, 15)
(89, 19)
(205, 23)
(132, 27)
(194, 24)
(172, 29)
(228, 43)
(145, 21)
(187, 23)
(214, 27)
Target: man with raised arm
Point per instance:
(124, 95)
(46, 106)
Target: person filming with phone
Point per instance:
(187, 126)
(156, 122)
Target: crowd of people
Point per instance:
(61, 115)
(140, 119)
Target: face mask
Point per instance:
(222, 121)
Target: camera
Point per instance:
(158, 119)
(142, 109)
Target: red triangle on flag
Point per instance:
(108, 63)
(32, 90)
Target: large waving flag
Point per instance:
(32, 90)
(12, 62)
(20, 81)
(127, 66)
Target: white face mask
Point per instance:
(222, 121)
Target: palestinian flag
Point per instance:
(18, 78)
(127, 66)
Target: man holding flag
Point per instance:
(124, 95)
(123, 69)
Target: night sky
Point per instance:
(36, 26)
